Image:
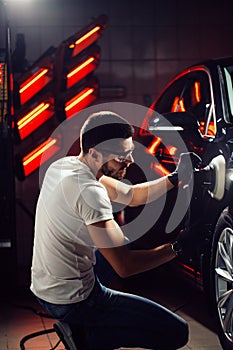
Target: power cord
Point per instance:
(39, 333)
(36, 334)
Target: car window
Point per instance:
(191, 92)
(228, 73)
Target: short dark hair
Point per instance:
(103, 126)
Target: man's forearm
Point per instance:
(135, 195)
(149, 191)
(137, 261)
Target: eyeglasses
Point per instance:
(122, 157)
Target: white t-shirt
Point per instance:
(63, 255)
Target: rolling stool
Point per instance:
(64, 334)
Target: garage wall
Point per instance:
(145, 44)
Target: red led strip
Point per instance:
(161, 169)
(2, 68)
(83, 65)
(33, 79)
(175, 104)
(34, 159)
(33, 85)
(88, 35)
(178, 105)
(191, 269)
(153, 146)
(171, 150)
(79, 101)
(85, 40)
(80, 71)
(35, 118)
(197, 89)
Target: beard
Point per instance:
(111, 172)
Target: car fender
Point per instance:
(229, 187)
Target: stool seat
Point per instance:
(64, 332)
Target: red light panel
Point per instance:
(197, 90)
(144, 126)
(85, 40)
(151, 149)
(3, 91)
(79, 101)
(35, 118)
(171, 150)
(178, 105)
(161, 170)
(2, 73)
(175, 104)
(182, 106)
(34, 84)
(12, 92)
(40, 155)
(81, 71)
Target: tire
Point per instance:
(221, 279)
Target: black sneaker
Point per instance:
(64, 332)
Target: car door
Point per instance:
(182, 119)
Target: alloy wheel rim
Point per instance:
(224, 281)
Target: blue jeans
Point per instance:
(109, 319)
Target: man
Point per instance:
(73, 218)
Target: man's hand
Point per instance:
(184, 170)
(184, 243)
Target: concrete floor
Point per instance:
(18, 320)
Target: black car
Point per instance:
(194, 113)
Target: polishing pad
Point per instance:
(218, 164)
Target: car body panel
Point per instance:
(202, 94)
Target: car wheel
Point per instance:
(221, 279)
